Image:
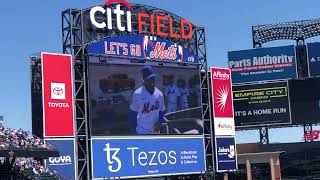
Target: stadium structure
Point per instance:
(79, 35)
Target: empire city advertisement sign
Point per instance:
(155, 24)
(261, 104)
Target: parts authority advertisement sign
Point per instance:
(261, 104)
(147, 156)
(263, 64)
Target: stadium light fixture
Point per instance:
(295, 30)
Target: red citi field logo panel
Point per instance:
(57, 89)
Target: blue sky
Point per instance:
(30, 27)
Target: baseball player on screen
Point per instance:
(184, 94)
(172, 93)
(147, 106)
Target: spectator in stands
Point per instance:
(10, 138)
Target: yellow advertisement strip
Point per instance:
(260, 93)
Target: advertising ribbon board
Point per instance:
(226, 154)
(263, 64)
(222, 102)
(314, 58)
(261, 104)
(147, 156)
(305, 100)
(144, 48)
(57, 92)
(65, 165)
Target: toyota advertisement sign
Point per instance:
(134, 157)
(57, 92)
(263, 64)
(222, 102)
(64, 166)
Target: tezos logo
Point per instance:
(220, 75)
(112, 159)
(58, 91)
(62, 160)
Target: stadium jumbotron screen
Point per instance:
(117, 90)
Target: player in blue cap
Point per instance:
(147, 106)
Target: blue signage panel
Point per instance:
(64, 166)
(143, 47)
(147, 156)
(263, 64)
(226, 155)
(314, 58)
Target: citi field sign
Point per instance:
(155, 23)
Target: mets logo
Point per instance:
(148, 108)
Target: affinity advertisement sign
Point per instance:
(261, 104)
(143, 47)
(263, 64)
(57, 92)
(226, 155)
(147, 156)
(65, 164)
(222, 101)
(314, 59)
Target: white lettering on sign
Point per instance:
(152, 158)
(220, 75)
(108, 13)
(58, 105)
(62, 160)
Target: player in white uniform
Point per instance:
(184, 94)
(172, 93)
(147, 106)
(197, 90)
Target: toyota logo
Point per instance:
(57, 91)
